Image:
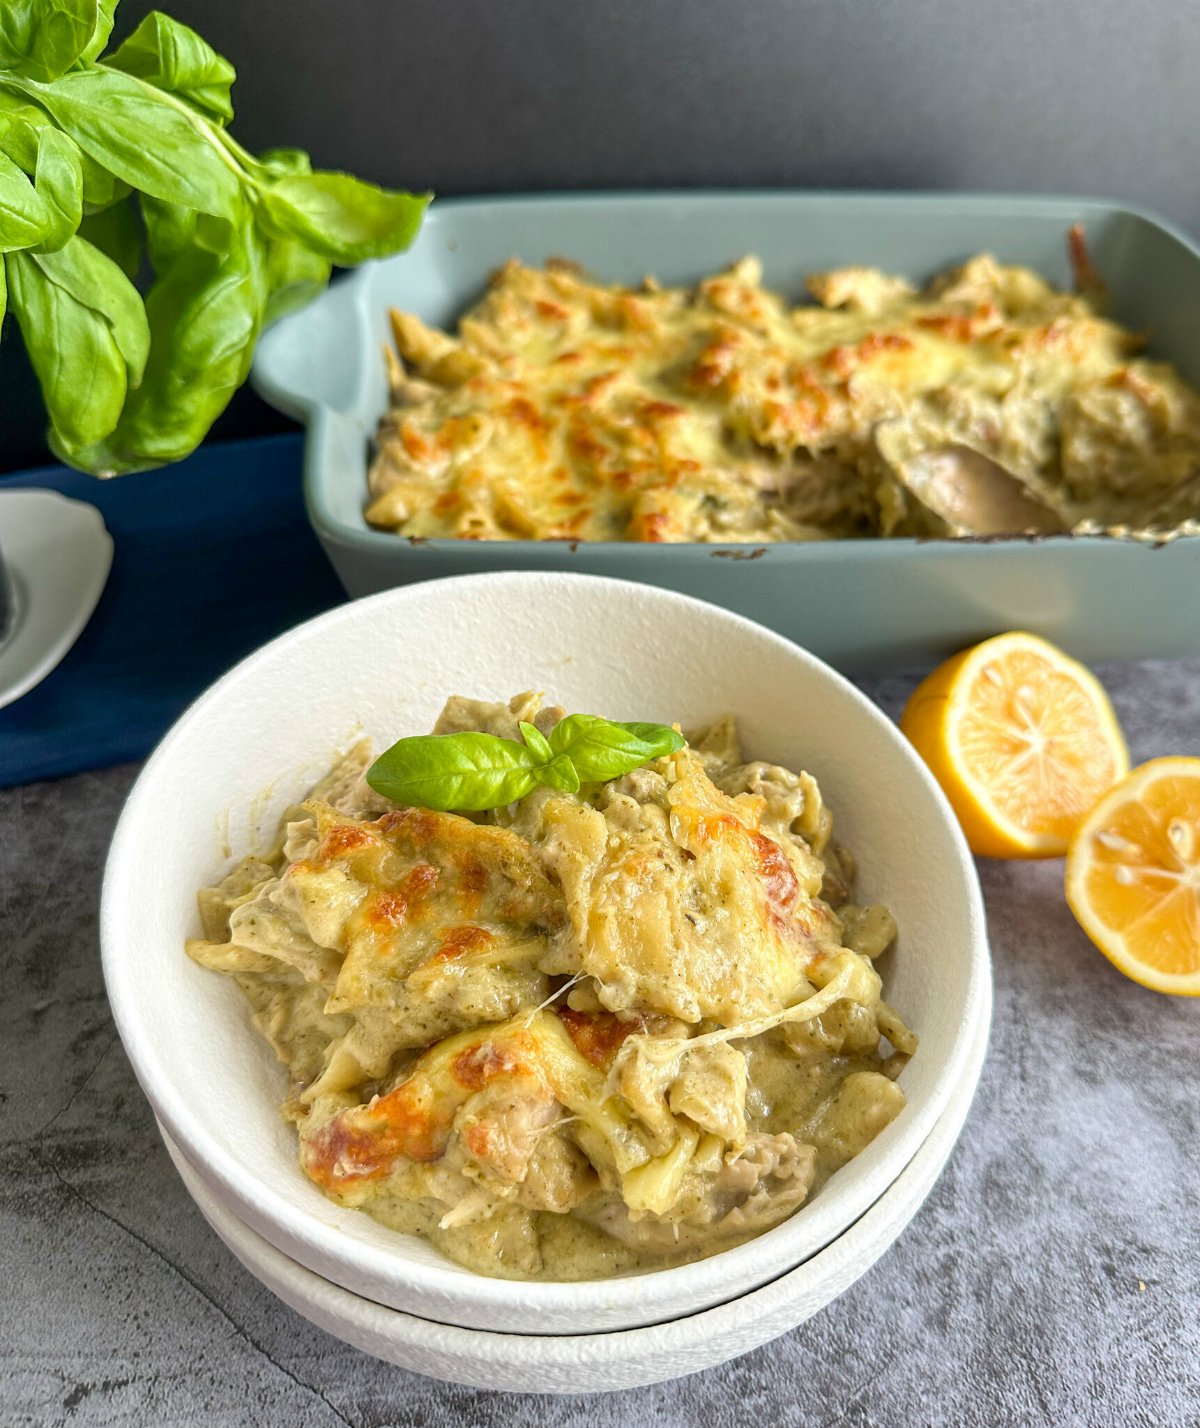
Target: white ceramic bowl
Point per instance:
(265, 732)
(599, 1363)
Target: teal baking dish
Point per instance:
(859, 604)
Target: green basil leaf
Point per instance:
(96, 282)
(105, 14)
(205, 311)
(295, 275)
(660, 737)
(555, 772)
(21, 122)
(340, 217)
(454, 771)
(145, 137)
(535, 742)
(100, 188)
(170, 229)
(58, 180)
(173, 57)
(116, 232)
(21, 125)
(3, 292)
(74, 353)
(44, 38)
(25, 219)
(478, 771)
(560, 773)
(282, 162)
(601, 749)
(219, 235)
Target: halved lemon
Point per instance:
(1133, 875)
(1023, 741)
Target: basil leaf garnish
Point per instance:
(535, 742)
(448, 771)
(472, 772)
(601, 749)
(560, 773)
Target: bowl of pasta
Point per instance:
(566, 1010)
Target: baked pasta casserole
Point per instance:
(569, 409)
(582, 1035)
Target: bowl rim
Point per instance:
(298, 1233)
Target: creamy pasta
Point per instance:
(569, 409)
(586, 1034)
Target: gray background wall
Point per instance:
(1085, 96)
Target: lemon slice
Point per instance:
(1133, 875)
(1023, 741)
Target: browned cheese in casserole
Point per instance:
(569, 409)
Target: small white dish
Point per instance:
(57, 554)
(263, 734)
(600, 1363)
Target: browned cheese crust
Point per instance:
(569, 409)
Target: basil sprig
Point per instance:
(473, 772)
(117, 164)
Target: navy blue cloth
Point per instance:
(213, 557)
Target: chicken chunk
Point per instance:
(725, 1198)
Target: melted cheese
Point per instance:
(678, 903)
(569, 410)
(531, 1036)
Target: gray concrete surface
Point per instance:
(1050, 1279)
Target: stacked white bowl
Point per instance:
(383, 666)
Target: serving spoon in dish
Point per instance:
(975, 495)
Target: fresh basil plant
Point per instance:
(120, 163)
(473, 772)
